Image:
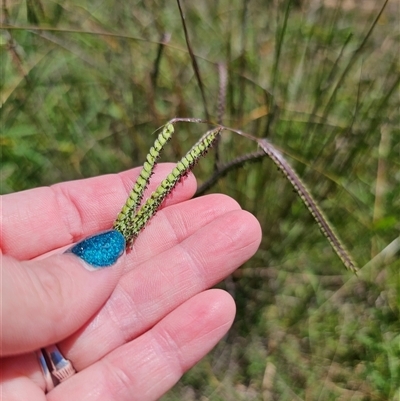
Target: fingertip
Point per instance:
(220, 308)
(100, 250)
(253, 226)
(199, 323)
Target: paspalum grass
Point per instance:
(83, 86)
(133, 216)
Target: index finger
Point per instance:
(40, 220)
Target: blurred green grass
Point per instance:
(321, 81)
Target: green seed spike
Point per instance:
(308, 200)
(136, 195)
(132, 227)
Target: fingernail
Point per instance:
(100, 250)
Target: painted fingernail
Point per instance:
(100, 250)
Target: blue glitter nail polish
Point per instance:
(100, 250)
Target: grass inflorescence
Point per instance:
(84, 87)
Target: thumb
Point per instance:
(44, 301)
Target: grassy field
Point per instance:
(85, 84)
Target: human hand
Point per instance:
(130, 330)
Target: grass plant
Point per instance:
(85, 84)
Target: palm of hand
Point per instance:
(131, 331)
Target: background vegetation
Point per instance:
(85, 83)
